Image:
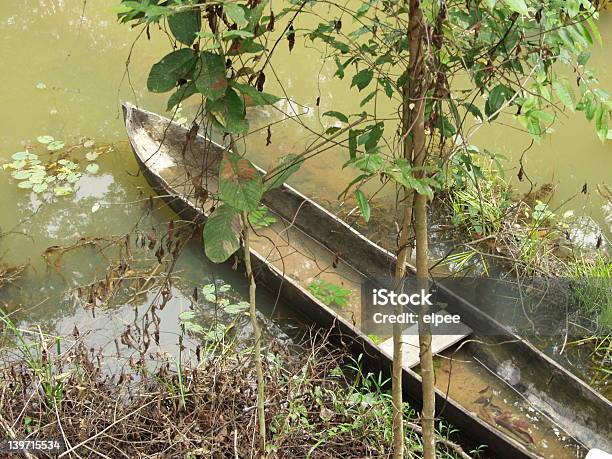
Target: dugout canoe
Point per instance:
(172, 160)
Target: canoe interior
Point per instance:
(307, 243)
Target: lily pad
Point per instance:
(92, 156)
(39, 187)
(55, 145)
(73, 177)
(92, 168)
(23, 156)
(89, 143)
(25, 184)
(45, 139)
(62, 190)
(21, 174)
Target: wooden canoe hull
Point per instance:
(373, 261)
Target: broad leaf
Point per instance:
(185, 25)
(235, 13)
(498, 95)
(165, 75)
(564, 93)
(210, 77)
(230, 112)
(518, 5)
(240, 183)
(182, 93)
(222, 233)
(339, 116)
(364, 205)
(252, 97)
(362, 78)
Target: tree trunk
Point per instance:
(417, 79)
(261, 415)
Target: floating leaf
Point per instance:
(236, 308)
(92, 168)
(23, 155)
(55, 145)
(25, 184)
(22, 174)
(45, 139)
(170, 69)
(73, 177)
(39, 187)
(240, 182)
(41, 86)
(222, 233)
(89, 143)
(92, 156)
(62, 190)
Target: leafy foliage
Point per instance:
(330, 293)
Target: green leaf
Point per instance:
(73, 177)
(364, 205)
(287, 166)
(210, 77)
(352, 141)
(55, 145)
(45, 139)
(232, 111)
(231, 34)
(21, 174)
(185, 25)
(165, 75)
(62, 190)
(339, 116)
(91, 156)
(182, 93)
(518, 5)
(222, 233)
(236, 308)
(23, 155)
(39, 187)
(235, 13)
(362, 78)
(564, 93)
(26, 184)
(498, 95)
(261, 218)
(240, 183)
(252, 97)
(92, 168)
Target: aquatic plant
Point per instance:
(57, 174)
(329, 293)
